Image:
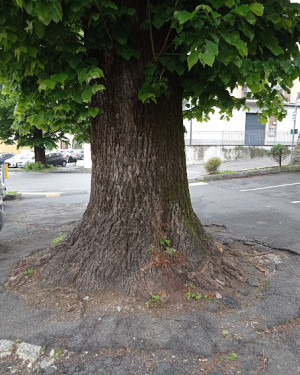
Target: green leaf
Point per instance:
(47, 84)
(131, 11)
(230, 18)
(192, 59)
(272, 44)
(242, 10)
(230, 3)
(82, 76)
(96, 88)
(58, 10)
(32, 51)
(95, 73)
(60, 77)
(211, 51)
(206, 7)
(36, 120)
(19, 3)
(182, 17)
(87, 94)
(253, 79)
(251, 19)
(145, 95)
(257, 9)
(43, 12)
(93, 112)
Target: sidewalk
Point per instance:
(198, 171)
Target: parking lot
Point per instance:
(263, 208)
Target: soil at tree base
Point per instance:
(253, 330)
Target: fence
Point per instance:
(236, 138)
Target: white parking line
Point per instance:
(41, 193)
(198, 183)
(271, 187)
(296, 202)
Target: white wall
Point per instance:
(87, 155)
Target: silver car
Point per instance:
(2, 193)
(1, 213)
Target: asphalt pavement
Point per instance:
(253, 332)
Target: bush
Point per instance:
(34, 167)
(278, 153)
(212, 165)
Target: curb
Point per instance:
(250, 173)
(12, 197)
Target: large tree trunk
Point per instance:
(139, 198)
(39, 151)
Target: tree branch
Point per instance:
(103, 20)
(151, 33)
(169, 32)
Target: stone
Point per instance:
(212, 307)
(46, 363)
(228, 243)
(50, 371)
(249, 243)
(28, 352)
(244, 291)
(252, 281)
(229, 302)
(275, 259)
(218, 295)
(6, 347)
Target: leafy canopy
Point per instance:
(11, 134)
(50, 54)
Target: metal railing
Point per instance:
(236, 138)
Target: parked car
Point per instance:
(24, 160)
(5, 156)
(69, 155)
(56, 158)
(1, 213)
(2, 193)
(80, 155)
(16, 160)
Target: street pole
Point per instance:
(294, 127)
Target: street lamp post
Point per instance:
(294, 127)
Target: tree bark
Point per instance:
(139, 198)
(39, 151)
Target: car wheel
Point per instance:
(63, 164)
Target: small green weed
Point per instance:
(154, 300)
(165, 244)
(43, 349)
(38, 167)
(232, 356)
(226, 172)
(15, 192)
(265, 286)
(193, 294)
(58, 352)
(59, 239)
(226, 333)
(30, 271)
